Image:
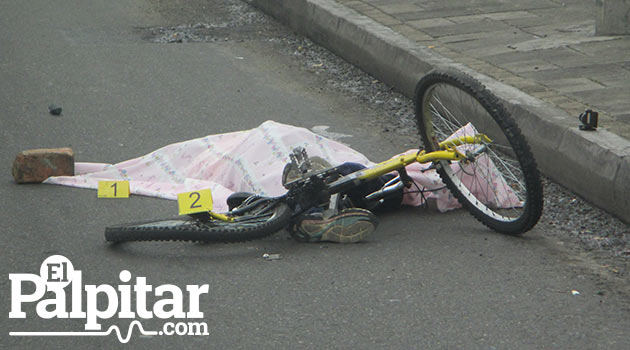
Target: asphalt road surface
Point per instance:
(425, 280)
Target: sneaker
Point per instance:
(349, 226)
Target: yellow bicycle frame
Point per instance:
(448, 151)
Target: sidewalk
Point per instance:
(541, 57)
(550, 46)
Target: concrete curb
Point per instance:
(595, 165)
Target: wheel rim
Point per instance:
(448, 109)
(261, 213)
(257, 215)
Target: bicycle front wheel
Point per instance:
(263, 219)
(499, 184)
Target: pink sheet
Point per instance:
(250, 160)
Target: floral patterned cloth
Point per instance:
(248, 161)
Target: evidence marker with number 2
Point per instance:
(194, 202)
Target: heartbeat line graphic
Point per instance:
(109, 331)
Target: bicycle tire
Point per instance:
(449, 101)
(260, 221)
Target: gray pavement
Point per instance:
(541, 57)
(425, 280)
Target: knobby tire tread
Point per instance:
(534, 197)
(225, 233)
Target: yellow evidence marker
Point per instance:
(194, 202)
(113, 189)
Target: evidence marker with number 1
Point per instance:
(113, 189)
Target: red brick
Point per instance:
(36, 165)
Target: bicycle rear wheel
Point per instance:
(500, 185)
(263, 219)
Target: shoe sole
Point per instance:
(346, 228)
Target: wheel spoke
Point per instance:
(494, 182)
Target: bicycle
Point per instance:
(478, 168)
